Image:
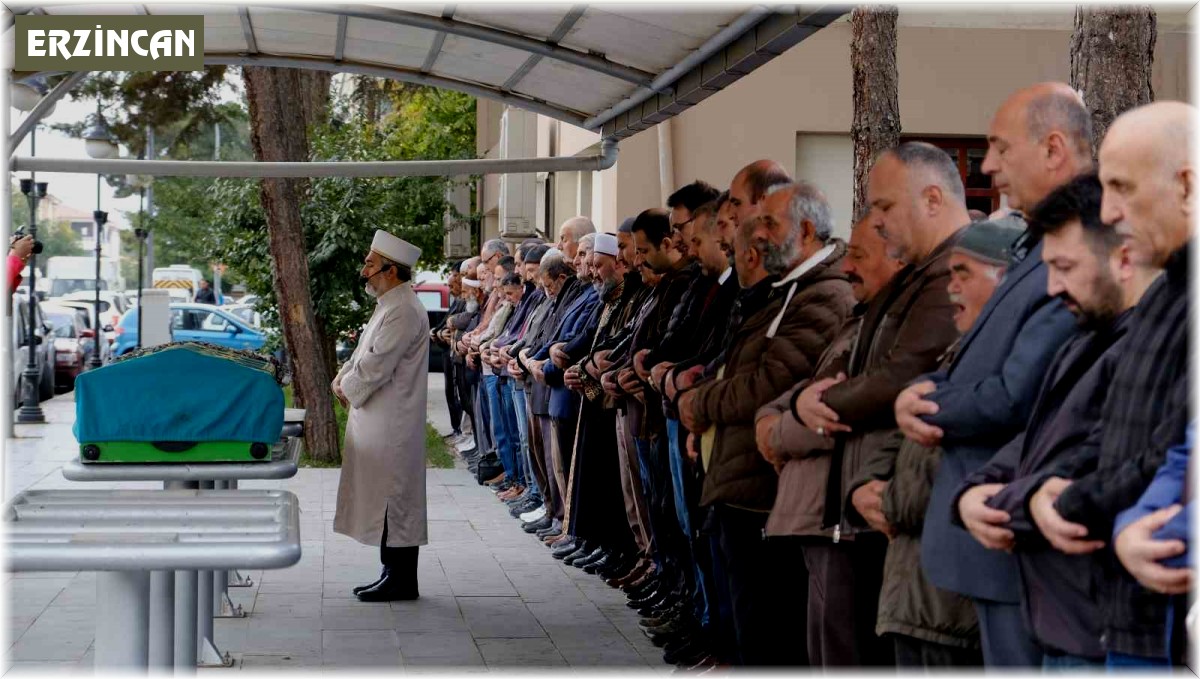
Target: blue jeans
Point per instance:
(501, 410)
(524, 461)
(700, 600)
(1053, 663)
(1121, 662)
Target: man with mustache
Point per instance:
(1090, 269)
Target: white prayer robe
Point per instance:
(383, 461)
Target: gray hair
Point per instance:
(495, 246)
(808, 203)
(588, 241)
(1063, 112)
(579, 226)
(555, 266)
(936, 163)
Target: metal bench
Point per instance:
(124, 535)
(169, 647)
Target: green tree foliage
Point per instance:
(58, 239)
(341, 214)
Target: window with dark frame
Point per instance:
(968, 153)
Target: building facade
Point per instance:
(955, 68)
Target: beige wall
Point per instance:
(951, 80)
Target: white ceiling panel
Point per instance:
(574, 87)
(478, 61)
(380, 43)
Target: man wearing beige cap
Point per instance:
(381, 495)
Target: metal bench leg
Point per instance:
(162, 619)
(122, 620)
(207, 653)
(185, 622)
(235, 578)
(223, 606)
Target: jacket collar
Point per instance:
(1015, 273)
(807, 265)
(392, 297)
(1178, 263)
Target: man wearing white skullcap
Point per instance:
(381, 495)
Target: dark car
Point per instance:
(43, 355)
(74, 343)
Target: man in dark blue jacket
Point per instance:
(1039, 139)
(1091, 270)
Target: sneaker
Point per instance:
(465, 445)
(456, 434)
(534, 515)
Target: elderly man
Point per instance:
(749, 187)
(1090, 269)
(1039, 139)
(1148, 178)
(570, 233)
(547, 365)
(437, 334)
(770, 351)
(381, 494)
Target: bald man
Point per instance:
(1148, 179)
(570, 233)
(746, 191)
(1039, 139)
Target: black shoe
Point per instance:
(544, 522)
(590, 556)
(389, 589)
(524, 508)
(565, 549)
(651, 583)
(607, 561)
(650, 596)
(615, 564)
(593, 558)
(584, 550)
(382, 575)
(657, 609)
(554, 529)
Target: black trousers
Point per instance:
(749, 586)
(843, 601)
(466, 396)
(399, 561)
(451, 388)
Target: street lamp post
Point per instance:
(140, 232)
(94, 361)
(31, 410)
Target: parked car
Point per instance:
(74, 343)
(43, 356)
(247, 313)
(191, 322)
(112, 305)
(89, 311)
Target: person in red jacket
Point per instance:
(18, 254)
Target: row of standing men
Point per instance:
(947, 442)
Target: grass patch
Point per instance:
(437, 452)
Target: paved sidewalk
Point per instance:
(491, 596)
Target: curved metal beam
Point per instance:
(482, 33)
(754, 16)
(390, 168)
(60, 90)
(567, 116)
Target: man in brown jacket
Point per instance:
(772, 349)
(918, 203)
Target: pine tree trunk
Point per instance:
(1112, 58)
(273, 94)
(876, 125)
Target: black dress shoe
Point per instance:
(584, 550)
(561, 551)
(382, 575)
(688, 649)
(614, 564)
(390, 589)
(639, 590)
(544, 522)
(595, 557)
(659, 608)
(590, 556)
(605, 562)
(554, 529)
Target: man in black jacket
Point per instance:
(1090, 270)
(1148, 187)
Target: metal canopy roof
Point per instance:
(613, 69)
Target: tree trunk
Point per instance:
(1112, 58)
(273, 94)
(876, 125)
